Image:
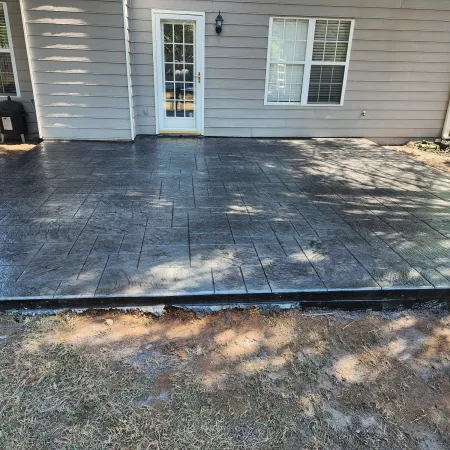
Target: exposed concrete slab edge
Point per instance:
(375, 299)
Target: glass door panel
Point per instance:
(179, 71)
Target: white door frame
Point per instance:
(157, 16)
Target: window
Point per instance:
(307, 61)
(8, 74)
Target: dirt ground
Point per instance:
(232, 380)
(437, 160)
(15, 149)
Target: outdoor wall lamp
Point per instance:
(219, 23)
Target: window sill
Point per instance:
(309, 105)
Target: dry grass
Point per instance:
(436, 160)
(234, 380)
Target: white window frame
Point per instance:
(10, 50)
(308, 63)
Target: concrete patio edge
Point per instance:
(345, 299)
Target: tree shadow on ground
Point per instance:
(233, 379)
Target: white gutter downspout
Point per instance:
(30, 65)
(126, 30)
(446, 130)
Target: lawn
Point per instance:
(231, 380)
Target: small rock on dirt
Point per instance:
(109, 322)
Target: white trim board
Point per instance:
(30, 65)
(446, 129)
(128, 63)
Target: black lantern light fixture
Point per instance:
(219, 23)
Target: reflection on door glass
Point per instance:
(189, 91)
(170, 108)
(190, 109)
(179, 72)
(189, 73)
(179, 57)
(168, 32)
(179, 91)
(189, 34)
(189, 53)
(168, 72)
(168, 53)
(178, 33)
(169, 91)
(180, 109)
(179, 68)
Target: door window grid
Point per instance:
(321, 73)
(8, 73)
(179, 65)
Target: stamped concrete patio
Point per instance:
(171, 216)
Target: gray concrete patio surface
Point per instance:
(172, 216)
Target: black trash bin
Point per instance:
(13, 120)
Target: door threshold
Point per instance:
(181, 133)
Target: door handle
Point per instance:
(198, 77)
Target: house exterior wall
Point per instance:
(77, 51)
(23, 71)
(399, 69)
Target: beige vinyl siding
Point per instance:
(23, 71)
(79, 66)
(399, 68)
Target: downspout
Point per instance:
(30, 66)
(446, 129)
(126, 31)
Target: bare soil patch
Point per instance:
(15, 149)
(439, 161)
(232, 380)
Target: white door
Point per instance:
(179, 60)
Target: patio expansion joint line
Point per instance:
(142, 242)
(32, 259)
(285, 185)
(243, 279)
(311, 264)
(160, 190)
(56, 290)
(101, 276)
(189, 241)
(229, 226)
(81, 232)
(26, 267)
(262, 267)
(193, 192)
(121, 243)
(171, 216)
(87, 257)
(276, 237)
(242, 197)
(360, 263)
(212, 279)
(309, 223)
